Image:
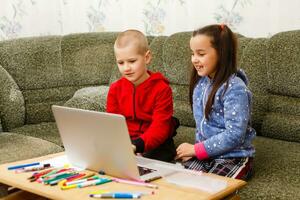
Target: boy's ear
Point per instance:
(148, 57)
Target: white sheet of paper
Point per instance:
(60, 161)
(201, 182)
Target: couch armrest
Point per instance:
(89, 98)
(12, 109)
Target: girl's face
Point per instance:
(204, 56)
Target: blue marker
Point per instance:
(117, 195)
(22, 166)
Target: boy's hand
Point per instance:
(133, 148)
(185, 151)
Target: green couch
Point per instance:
(76, 70)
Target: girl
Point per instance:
(221, 104)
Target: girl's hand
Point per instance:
(184, 159)
(185, 151)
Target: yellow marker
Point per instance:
(66, 165)
(68, 187)
(61, 183)
(100, 192)
(88, 175)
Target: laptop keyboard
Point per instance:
(144, 170)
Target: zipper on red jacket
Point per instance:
(141, 124)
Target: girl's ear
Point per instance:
(148, 57)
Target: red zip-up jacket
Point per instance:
(148, 109)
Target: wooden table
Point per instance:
(165, 191)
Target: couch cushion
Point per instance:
(39, 101)
(177, 58)
(35, 64)
(15, 147)
(182, 110)
(45, 131)
(87, 58)
(39, 57)
(185, 134)
(284, 63)
(156, 47)
(90, 98)
(253, 61)
(283, 120)
(12, 110)
(242, 44)
(277, 171)
(281, 126)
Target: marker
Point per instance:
(35, 176)
(33, 168)
(100, 192)
(22, 166)
(116, 196)
(141, 193)
(57, 180)
(71, 178)
(68, 187)
(94, 182)
(82, 180)
(60, 173)
(118, 180)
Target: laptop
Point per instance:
(100, 141)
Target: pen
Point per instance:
(152, 179)
(116, 196)
(118, 180)
(22, 166)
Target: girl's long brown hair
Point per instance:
(224, 41)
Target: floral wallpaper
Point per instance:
(23, 18)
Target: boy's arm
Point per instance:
(111, 102)
(160, 128)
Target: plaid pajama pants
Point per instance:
(239, 168)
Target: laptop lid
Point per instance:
(97, 141)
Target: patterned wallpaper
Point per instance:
(21, 18)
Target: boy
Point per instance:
(143, 97)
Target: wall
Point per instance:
(263, 18)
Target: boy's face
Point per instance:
(132, 64)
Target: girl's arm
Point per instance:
(236, 118)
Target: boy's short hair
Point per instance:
(132, 37)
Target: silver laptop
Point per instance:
(100, 142)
